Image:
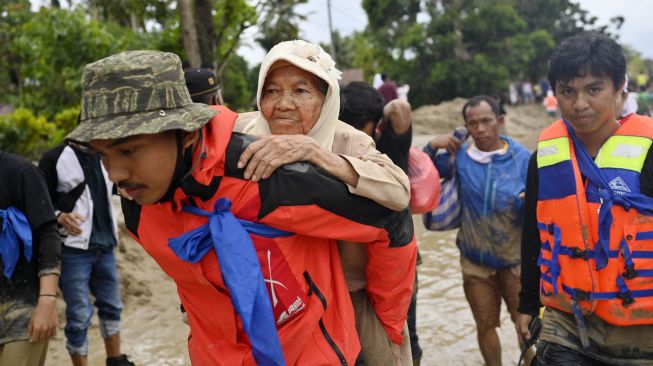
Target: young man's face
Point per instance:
(142, 166)
(483, 125)
(587, 102)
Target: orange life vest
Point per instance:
(620, 290)
(551, 103)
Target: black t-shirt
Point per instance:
(529, 298)
(22, 186)
(396, 147)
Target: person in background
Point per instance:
(388, 89)
(491, 173)
(587, 199)
(643, 102)
(642, 79)
(402, 91)
(203, 87)
(378, 81)
(208, 65)
(550, 104)
(30, 248)
(527, 92)
(81, 194)
(626, 102)
(391, 128)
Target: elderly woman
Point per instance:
(299, 100)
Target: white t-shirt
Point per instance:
(484, 157)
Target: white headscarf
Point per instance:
(312, 58)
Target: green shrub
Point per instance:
(65, 121)
(28, 135)
(25, 134)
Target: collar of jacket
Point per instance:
(205, 164)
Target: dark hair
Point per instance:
(476, 100)
(185, 64)
(207, 65)
(204, 98)
(384, 76)
(589, 52)
(359, 104)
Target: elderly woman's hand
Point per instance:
(261, 158)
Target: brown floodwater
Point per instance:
(445, 324)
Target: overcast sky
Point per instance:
(349, 16)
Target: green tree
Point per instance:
(450, 48)
(552, 21)
(562, 18)
(346, 50)
(236, 91)
(53, 47)
(130, 13)
(13, 13)
(279, 22)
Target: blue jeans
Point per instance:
(84, 273)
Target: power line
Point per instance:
(345, 12)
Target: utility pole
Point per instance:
(333, 42)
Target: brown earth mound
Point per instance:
(522, 122)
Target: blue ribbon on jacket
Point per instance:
(241, 272)
(627, 200)
(15, 230)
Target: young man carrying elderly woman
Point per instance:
(253, 249)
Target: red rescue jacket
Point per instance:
(315, 319)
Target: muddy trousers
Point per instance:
(552, 354)
(23, 353)
(376, 347)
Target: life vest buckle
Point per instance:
(581, 295)
(579, 253)
(630, 272)
(626, 298)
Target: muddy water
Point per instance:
(444, 322)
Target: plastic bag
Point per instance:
(424, 182)
(446, 216)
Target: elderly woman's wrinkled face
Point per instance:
(291, 100)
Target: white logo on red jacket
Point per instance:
(272, 282)
(286, 295)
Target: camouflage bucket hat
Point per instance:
(136, 92)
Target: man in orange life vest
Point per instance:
(589, 217)
(256, 263)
